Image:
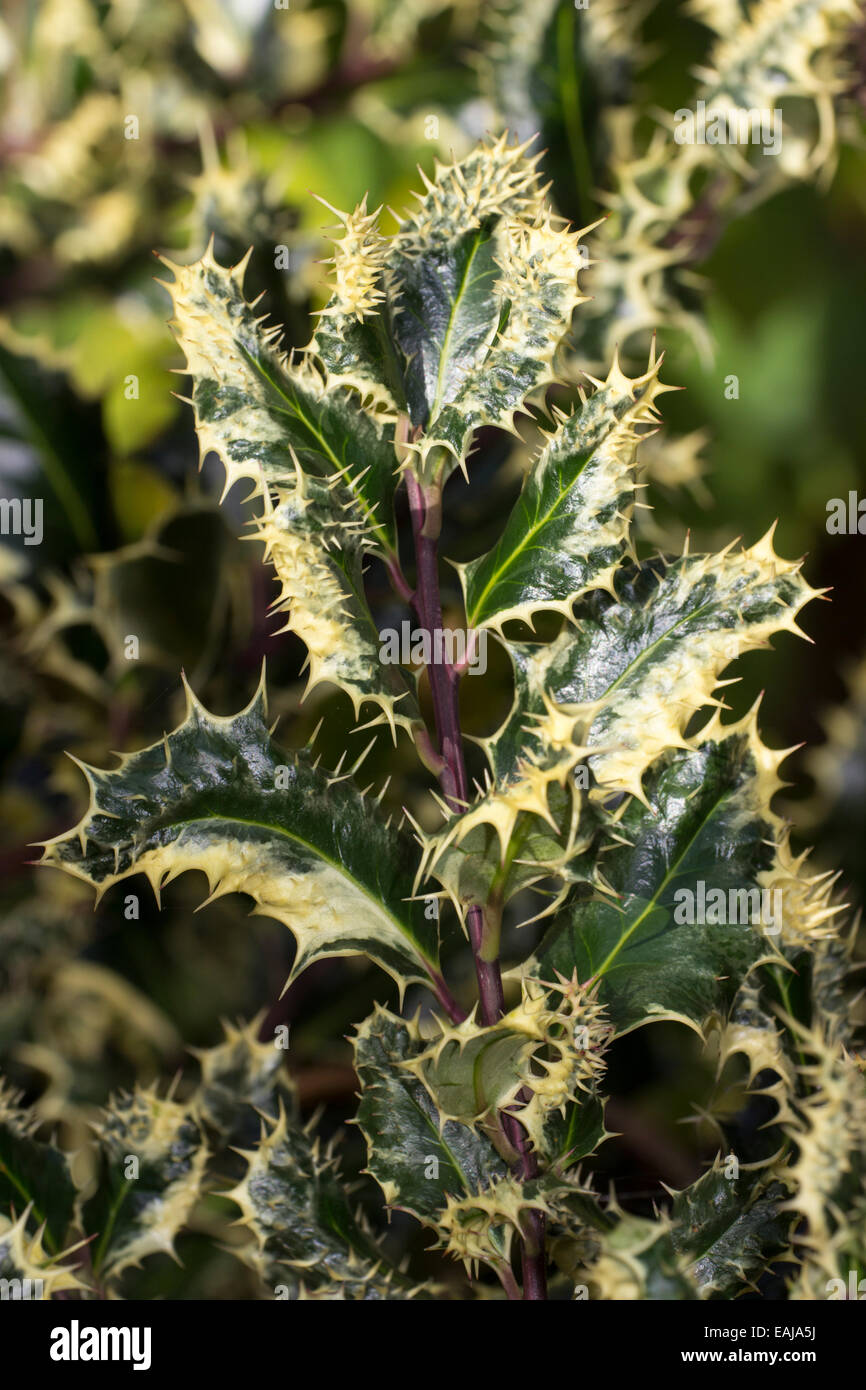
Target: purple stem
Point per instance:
(444, 686)
(446, 998)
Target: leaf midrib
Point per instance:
(673, 868)
(293, 409)
(534, 528)
(440, 1138)
(462, 289)
(648, 651)
(438, 1135)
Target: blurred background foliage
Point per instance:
(134, 126)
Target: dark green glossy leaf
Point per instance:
(220, 796)
(482, 282)
(417, 1158)
(730, 1229)
(151, 1164)
(570, 527)
(305, 1230)
(637, 667)
(704, 825)
(33, 1174)
(239, 1077)
(255, 407)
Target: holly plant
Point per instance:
(615, 821)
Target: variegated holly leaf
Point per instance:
(151, 1162)
(219, 795)
(306, 1234)
(33, 1174)
(685, 916)
(240, 1076)
(830, 966)
(528, 57)
(637, 1259)
(352, 341)
(480, 1228)
(324, 467)
(575, 1220)
(473, 1071)
(827, 1179)
(465, 856)
(595, 708)
(771, 56)
(256, 408)
(775, 54)
(540, 1061)
(418, 1157)
(730, 1229)
(752, 1033)
(27, 1271)
(319, 569)
(637, 665)
(482, 280)
(569, 529)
